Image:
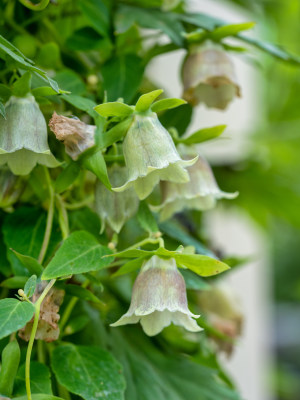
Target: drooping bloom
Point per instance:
(223, 310)
(115, 208)
(23, 137)
(11, 187)
(150, 156)
(208, 76)
(200, 193)
(159, 298)
(75, 134)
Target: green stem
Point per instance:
(36, 7)
(79, 204)
(49, 220)
(37, 306)
(69, 308)
(62, 217)
(149, 240)
(41, 352)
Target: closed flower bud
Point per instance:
(76, 135)
(11, 187)
(223, 311)
(151, 156)
(23, 137)
(200, 193)
(115, 208)
(159, 298)
(209, 77)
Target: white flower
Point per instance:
(200, 193)
(151, 156)
(115, 208)
(209, 77)
(23, 136)
(159, 298)
(76, 135)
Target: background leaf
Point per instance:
(92, 372)
(40, 379)
(14, 314)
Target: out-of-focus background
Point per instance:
(261, 150)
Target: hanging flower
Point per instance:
(115, 208)
(75, 134)
(209, 77)
(23, 137)
(159, 298)
(151, 156)
(200, 193)
(224, 312)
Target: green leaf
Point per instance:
(129, 266)
(70, 81)
(46, 91)
(146, 218)
(76, 324)
(14, 314)
(166, 104)
(81, 103)
(134, 253)
(97, 13)
(200, 264)
(15, 282)
(39, 397)
(67, 177)
(80, 252)
(230, 30)
(203, 135)
(81, 293)
(122, 77)
(9, 366)
(193, 281)
(22, 86)
(92, 372)
(33, 266)
(30, 286)
(145, 101)
(113, 109)
(40, 380)
(165, 22)
(178, 118)
(96, 164)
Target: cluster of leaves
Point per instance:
(95, 51)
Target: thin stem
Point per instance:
(79, 204)
(146, 241)
(69, 308)
(49, 220)
(32, 336)
(62, 217)
(36, 7)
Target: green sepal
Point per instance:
(166, 104)
(202, 135)
(67, 177)
(145, 101)
(22, 86)
(114, 109)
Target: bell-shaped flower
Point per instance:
(23, 136)
(150, 156)
(223, 311)
(200, 193)
(115, 208)
(159, 298)
(75, 134)
(208, 76)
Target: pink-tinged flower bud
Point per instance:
(115, 208)
(209, 77)
(200, 193)
(159, 298)
(75, 134)
(23, 137)
(151, 156)
(223, 310)
(11, 187)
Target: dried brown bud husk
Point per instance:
(48, 329)
(75, 134)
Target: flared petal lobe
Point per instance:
(159, 298)
(150, 156)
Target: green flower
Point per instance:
(115, 208)
(23, 137)
(151, 156)
(209, 77)
(159, 298)
(200, 193)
